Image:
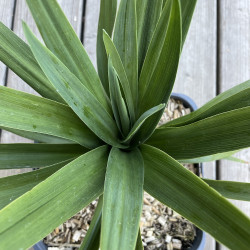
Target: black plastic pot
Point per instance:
(199, 242)
(40, 246)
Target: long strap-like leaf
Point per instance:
(118, 104)
(25, 155)
(231, 189)
(221, 133)
(234, 98)
(148, 13)
(172, 184)
(208, 158)
(141, 121)
(187, 10)
(118, 66)
(92, 239)
(125, 40)
(16, 54)
(53, 201)
(122, 200)
(106, 22)
(77, 96)
(22, 111)
(158, 73)
(61, 39)
(38, 137)
(139, 245)
(12, 187)
(154, 50)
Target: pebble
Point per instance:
(170, 246)
(168, 238)
(172, 106)
(159, 245)
(76, 236)
(162, 220)
(177, 245)
(176, 241)
(149, 233)
(173, 219)
(147, 240)
(176, 114)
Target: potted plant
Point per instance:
(160, 227)
(98, 130)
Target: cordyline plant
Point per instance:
(98, 130)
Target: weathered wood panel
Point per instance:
(234, 68)
(92, 10)
(73, 10)
(197, 69)
(6, 17)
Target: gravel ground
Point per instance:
(161, 227)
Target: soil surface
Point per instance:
(161, 227)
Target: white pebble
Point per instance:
(168, 238)
(162, 220)
(149, 239)
(176, 241)
(177, 245)
(149, 233)
(76, 236)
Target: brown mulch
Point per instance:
(161, 227)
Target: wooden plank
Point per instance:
(6, 17)
(73, 10)
(92, 10)
(197, 69)
(234, 65)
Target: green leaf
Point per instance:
(25, 155)
(187, 10)
(61, 39)
(231, 189)
(106, 22)
(220, 156)
(53, 201)
(92, 238)
(118, 104)
(235, 159)
(141, 120)
(38, 137)
(208, 158)
(125, 40)
(148, 13)
(217, 134)
(162, 37)
(234, 98)
(16, 54)
(12, 187)
(172, 184)
(118, 66)
(159, 71)
(139, 245)
(78, 97)
(122, 200)
(22, 111)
